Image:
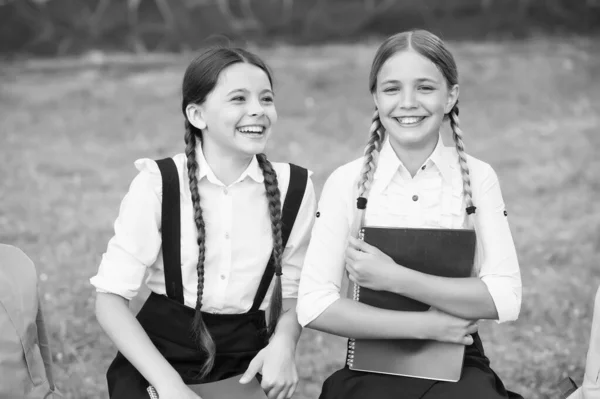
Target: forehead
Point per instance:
(243, 76)
(409, 65)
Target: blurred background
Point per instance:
(89, 86)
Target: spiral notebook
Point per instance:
(229, 388)
(440, 252)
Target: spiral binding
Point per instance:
(152, 392)
(355, 297)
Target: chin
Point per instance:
(410, 138)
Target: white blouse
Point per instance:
(238, 237)
(432, 198)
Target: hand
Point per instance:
(448, 328)
(368, 266)
(277, 364)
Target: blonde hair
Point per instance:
(433, 48)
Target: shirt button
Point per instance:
(222, 277)
(225, 191)
(415, 197)
(423, 167)
(227, 236)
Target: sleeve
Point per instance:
(295, 250)
(324, 266)
(499, 266)
(137, 241)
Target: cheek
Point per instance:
(386, 104)
(271, 114)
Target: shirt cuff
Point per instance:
(104, 285)
(507, 302)
(311, 306)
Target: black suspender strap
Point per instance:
(291, 206)
(171, 228)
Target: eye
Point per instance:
(391, 89)
(268, 99)
(238, 98)
(426, 88)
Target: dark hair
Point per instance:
(199, 80)
(433, 48)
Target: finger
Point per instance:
(273, 391)
(267, 385)
(362, 246)
(284, 391)
(253, 368)
(472, 329)
(352, 278)
(353, 253)
(292, 389)
(467, 340)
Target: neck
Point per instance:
(226, 166)
(414, 156)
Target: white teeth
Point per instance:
(251, 129)
(408, 120)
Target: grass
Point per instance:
(531, 109)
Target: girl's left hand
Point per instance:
(277, 364)
(368, 266)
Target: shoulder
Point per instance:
(283, 171)
(149, 178)
(343, 179)
(480, 172)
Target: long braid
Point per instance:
(370, 158)
(274, 199)
(457, 135)
(200, 331)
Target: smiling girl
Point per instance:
(410, 179)
(209, 228)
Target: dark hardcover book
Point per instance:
(439, 252)
(229, 388)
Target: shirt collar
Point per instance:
(253, 170)
(389, 163)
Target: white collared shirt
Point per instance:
(238, 237)
(434, 199)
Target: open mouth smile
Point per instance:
(410, 121)
(252, 130)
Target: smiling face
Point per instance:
(412, 97)
(237, 115)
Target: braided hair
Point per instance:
(433, 48)
(199, 80)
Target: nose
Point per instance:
(408, 99)
(255, 108)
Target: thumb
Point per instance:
(253, 368)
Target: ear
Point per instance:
(375, 100)
(194, 115)
(452, 98)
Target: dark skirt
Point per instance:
(478, 381)
(238, 339)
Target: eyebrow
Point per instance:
(420, 80)
(269, 91)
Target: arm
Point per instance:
(494, 294)
(114, 316)
(320, 305)
(133, 248)
(463, 297)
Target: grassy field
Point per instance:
(70, 134)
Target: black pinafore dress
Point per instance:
(167, 321)
(478, 381)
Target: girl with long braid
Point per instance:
(408, 178)
(221, 233)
